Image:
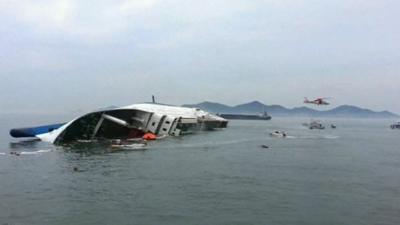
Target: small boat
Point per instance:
(395, 125)
(314, 125)
(280, 134)
(333, 126)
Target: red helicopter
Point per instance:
(318, 101)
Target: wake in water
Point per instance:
(291, 137)
(16, 153)
(36, 152)
(135, 146)
(314, 137)
(217, 143)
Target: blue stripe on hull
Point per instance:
(33, 131)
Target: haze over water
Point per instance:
(348, 175)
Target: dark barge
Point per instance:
(263, 116)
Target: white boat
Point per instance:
(395, 125)
(126, 122)
(279, 134)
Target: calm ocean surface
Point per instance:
(349, 175)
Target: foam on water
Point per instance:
(291, 137)
(216, 143)
(35, 152)
(331, 137)
(17, 153)
(314, 137)
(131, 147)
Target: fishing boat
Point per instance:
(128, 122)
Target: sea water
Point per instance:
(348, 175)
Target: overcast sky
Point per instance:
(73, 55)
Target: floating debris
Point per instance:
(149, 136)
(15, 153)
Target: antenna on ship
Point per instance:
(153, 99)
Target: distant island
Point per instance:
(256, 107)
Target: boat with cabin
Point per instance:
(395, 125)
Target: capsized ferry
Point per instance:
(128, 122)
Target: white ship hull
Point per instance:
(128, 122)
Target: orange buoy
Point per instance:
(149, 136)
